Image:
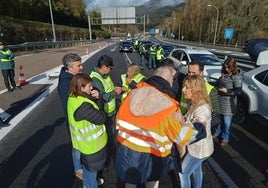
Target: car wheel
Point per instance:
(241, 113)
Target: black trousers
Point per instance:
(9, 76)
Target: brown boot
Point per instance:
(224, 144)
(79, 174)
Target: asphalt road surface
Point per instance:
(36, 151)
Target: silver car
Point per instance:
(254, 99)
(183, 56)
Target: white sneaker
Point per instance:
(100, 181)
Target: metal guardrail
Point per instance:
(29, 46)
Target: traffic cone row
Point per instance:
(22, 80)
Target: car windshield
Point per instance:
(127, 43)
(206, 59)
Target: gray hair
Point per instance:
(164, 72)
(69, 59)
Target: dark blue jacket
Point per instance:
(63, 87)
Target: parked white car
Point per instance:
(183, 56)
(254, 99)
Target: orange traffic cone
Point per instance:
(22, 80)
(87, 51)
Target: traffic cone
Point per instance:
(87, 51)
(22, 80)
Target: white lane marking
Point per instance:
(256, 178)
(4, 115)
(37, 80)
(221, 173)
(14, 121)
(127, 58)
(252, 137)
(113, 49)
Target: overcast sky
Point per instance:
(113, 3)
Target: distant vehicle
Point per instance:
(254, 98)
(167, 49)
(254, 46)
(126, 46)
(183, 56)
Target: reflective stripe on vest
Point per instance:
(151, 134)
(137, 78)
(86, 137)
(109, 106)
(145, 135)
(150, 141)
(7, 52)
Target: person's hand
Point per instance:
(124, 89)
(223, 90)
(118, 90)
(95, 93)
(178, 117)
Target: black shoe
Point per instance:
(2, 124)
(9, 89)
(17, 87)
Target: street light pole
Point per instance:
(144, 26)
(52, 21)
(217, 20)
(89, 27)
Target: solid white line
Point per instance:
(13, 122)
(221, 173)
(127, 58)
(34, 80)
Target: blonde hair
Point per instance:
(134, 68)
(199, 91)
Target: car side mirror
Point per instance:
(184, 62)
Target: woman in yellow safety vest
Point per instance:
(87, 128)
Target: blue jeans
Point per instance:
(89, 178)
(191, 165)
(152, 61)
(224, 128)
(76, 159)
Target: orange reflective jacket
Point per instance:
(145, 124)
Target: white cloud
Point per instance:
(91, 4)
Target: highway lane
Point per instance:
(36, 153)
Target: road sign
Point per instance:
(229, 32)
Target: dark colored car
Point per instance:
(254, 46)
(167, 49)
(126, 46)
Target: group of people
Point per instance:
(150, 133)
(156, 54)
